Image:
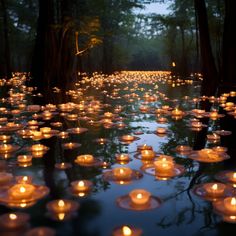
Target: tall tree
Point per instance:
(7, 68)
(210, 81)
(229, 44)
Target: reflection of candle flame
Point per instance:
(61, 203)
(233, 201)
(12, 216)
(61, 216)
(214, 187)
(126, 231)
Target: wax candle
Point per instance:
(85, 159)
(144, 147)
(127, 231)
(161, 130)
(127, 138)
(62, 206)
(81, 185)
(63, 165)
(214, 189)
(177, 112)
(45, 130)
(164, 167)
(148, 154)
(122, 157)
(139, 197)
(21, 191)
(22, 159)
(230, 205)
(122, 173)
(24, 179)
(231, 176)
(6, 148)
(14, 220)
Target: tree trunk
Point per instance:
(229, 44)
(6, 40)
(210, 82)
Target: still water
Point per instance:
(181, 211)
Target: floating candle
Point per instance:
(22, 159)
(81, 185)
(164, 167)
(21, 191)
(122, 173)
(214, 189)
(144, 147)
(230, 205)
(85, 159)
(63, 165)
(12, 221)
(122, 157)
(45, 130)
(24, 179)
(139, 197)
(231, 176)
(161, 130)
(148, 154)
(127, 231)
(62, 206)
(127, 138)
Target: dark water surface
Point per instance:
(181, 212)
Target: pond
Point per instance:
(109, 108)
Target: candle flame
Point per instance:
(22, 189)
(214, 187)
(234, 175)
(13, 216)
(61, 216)
(126, 231)
(81, 183)
(139, 196)
(122, 171)
(233, 201)
(61, 203)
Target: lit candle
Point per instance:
(108, 114)
(207, 153)
(24, 179)
(213, 137)
(183, 148)
(148, 154)
(230, 205)
(231, 176)
(6, 148)
(177, 112)
(21, 191)
(213, 114)
(85, 159)
(164, 167)
(144, 147)
(22, 159)
(127, 231)
(81, 185)
(63, 135)
(37, 147)
(139, 197)
(122, 173)
(127, 138)
(63, 165)
(13, 221)
(122, 157)
(62, 206)
(220, 149)
(71, 145)
(161, 130)
(214, 189)
(45, 130)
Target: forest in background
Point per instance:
(56, 39)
